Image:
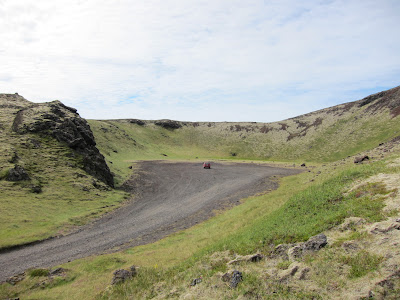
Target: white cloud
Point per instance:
(246, 60)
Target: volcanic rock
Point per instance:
(122, 275)
(64, 124)
(168, 124)
(17, 173)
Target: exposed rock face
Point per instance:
(168, 124)
(137, 122)
(64, 124)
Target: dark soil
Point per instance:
(168, 197)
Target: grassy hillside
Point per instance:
(58, 194)
(304, 205)
(357, 262)
(326, 135)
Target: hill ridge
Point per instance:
(324, 135)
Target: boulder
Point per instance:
(236, 278)
(196, 281)
(122, 275)
(36, 188)
(360, 159)
(17, 173)
(315, 243)
(233, 277)
(296, 251)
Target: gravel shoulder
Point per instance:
(168, 197)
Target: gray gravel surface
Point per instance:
(168, 197)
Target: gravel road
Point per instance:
(168, 197)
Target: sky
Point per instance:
(198, 60)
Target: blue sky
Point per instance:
(198, 60)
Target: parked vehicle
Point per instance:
(207, 165)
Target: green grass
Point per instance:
(299, 209)
(38, 272)
(335, 138)
(28, 217)
(362, 263)
(284, 264)
(304, 205)
(306, 213)
(67, 196)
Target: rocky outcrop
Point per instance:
(16, 278)
(64, 124)
(315, 243)
(233, 278)
(168, 124)
(17, 173)
(122, 275)
(298, 250)
(137, 122)
(360, 159)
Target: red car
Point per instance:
(207, 165)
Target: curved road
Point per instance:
(168, 197)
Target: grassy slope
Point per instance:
(67, 198)
(245, 228)
(322, 136)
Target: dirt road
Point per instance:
(169, 197)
